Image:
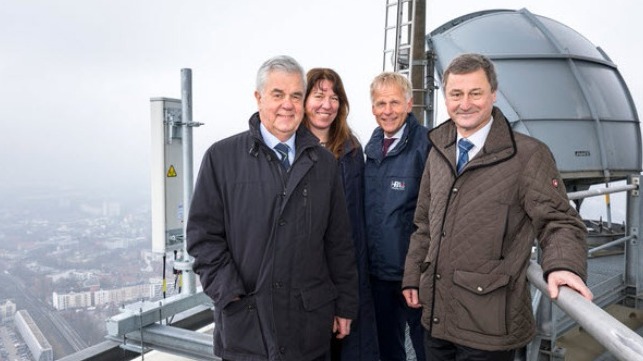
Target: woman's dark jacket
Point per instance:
(361, 344)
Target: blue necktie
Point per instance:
(283, 152)
(464, 146)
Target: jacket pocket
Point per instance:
(241, 329)
(480, 302)
(317, 316)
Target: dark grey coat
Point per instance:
(281, 241)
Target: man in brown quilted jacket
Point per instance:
(486, 194)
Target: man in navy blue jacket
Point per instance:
(395, 157)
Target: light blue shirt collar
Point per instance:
(271, 141)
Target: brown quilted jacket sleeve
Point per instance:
(560, 231)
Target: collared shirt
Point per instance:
(397, 136)
(478, 138)
(271, 141)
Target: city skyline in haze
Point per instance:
(77, 76)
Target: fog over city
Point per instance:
(77, 76)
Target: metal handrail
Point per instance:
(600, 191)
(622, 342)
(611, 244)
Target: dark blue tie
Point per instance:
(464, 146)
(283, 152)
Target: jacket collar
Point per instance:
(499, 146)
(374, 146)
(303, 140)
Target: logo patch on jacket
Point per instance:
(397, 185)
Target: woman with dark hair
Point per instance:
(326, 110)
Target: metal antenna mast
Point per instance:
(404, 51)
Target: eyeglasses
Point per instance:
(458, 95)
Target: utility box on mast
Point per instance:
(167, 175)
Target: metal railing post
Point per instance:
(633, 250)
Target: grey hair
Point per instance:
(392, 78)
(283, 63)
(469, 63)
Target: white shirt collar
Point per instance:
(397, 136)
(478, 138)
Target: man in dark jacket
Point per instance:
(487, 193)
(395, 157)
(270, 234)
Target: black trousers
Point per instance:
(441, 350)
(392, 315)
(335, 349)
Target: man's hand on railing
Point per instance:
(566, 278)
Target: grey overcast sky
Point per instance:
(76, 76)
